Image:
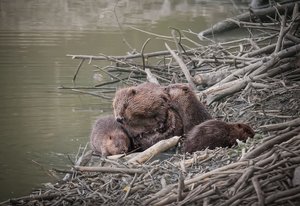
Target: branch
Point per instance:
(159, 147)
(182, 66)
(109, 170)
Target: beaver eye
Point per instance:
(110, 137)
(185, 89)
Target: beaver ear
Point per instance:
(132, 91)
(110, 137)
(239, 125)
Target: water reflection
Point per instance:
(40, 124)
(99, 15)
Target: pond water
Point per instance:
(40, 125)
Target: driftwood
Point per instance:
(154, 150)
(210, 78)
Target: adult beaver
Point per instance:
(216, 133)
(184, 100)
(145, 112)
(108, 137)
(141, 108)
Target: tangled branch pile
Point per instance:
(255, 80)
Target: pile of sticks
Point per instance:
(219, 69)
(264, 171)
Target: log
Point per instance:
(154, 150)
(211, 78)
(236, 86)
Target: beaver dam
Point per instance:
(255, 80)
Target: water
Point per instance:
(39, 124)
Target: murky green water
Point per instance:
(40, 124)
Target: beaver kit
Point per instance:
(216, 133)
(108, 137)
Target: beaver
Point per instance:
(145, 112)
(108, 137)
(141, 108)
(174, 127)
(184, 100)
(216, 133)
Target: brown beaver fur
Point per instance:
(145, 112)
(174, 127)
(215, 133)
(108, 137)
(186, 103)
(142, 108)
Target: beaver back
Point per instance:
(215, 133)
(184, 100)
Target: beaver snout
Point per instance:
(120, 119)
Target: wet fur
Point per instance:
(184, 100)
(146, 114)
(108, 137)
(174, 128)
(215, 133)
(142, 108)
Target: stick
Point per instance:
(280, 194)
(259, 192)
(292, 123)
(182, 66)
(267, 145)
(78, 68)
(109, 170)
(282, 33)
(159, 147)
(132, 56)
(151, 77)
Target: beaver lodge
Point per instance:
(255, 79)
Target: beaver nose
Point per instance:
(120, 119)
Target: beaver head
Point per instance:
(145, 104)
(178, 91)
(116, 142)
(241, 132)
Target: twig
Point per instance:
(78, 68)
(182, 66)
(258, 190)
(109, 170)
(292, 123)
